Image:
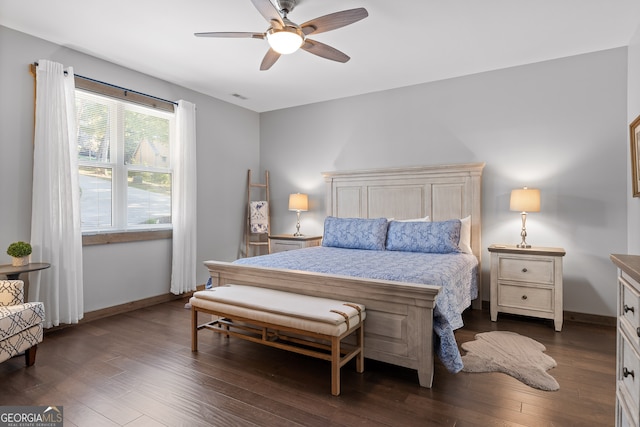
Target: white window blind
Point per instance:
(124, 163)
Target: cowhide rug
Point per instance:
(511, 353)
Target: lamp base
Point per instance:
(523, 233)
(297, 233)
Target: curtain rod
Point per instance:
(118, 87)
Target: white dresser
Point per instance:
(628, 341)
(527, 282)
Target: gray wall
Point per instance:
(228, 145)
(559, 126)
(633, 110)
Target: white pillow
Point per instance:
(425, 219)
(465, 235)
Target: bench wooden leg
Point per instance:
(194, 329)
(360, 356)
(335, 366)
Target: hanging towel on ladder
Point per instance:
(259, 217)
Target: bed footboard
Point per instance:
(399, 315)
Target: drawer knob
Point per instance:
(638, 331)
(524, 270)
(626, 309)
(524, 297)
(626, 373)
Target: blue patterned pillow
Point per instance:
(355, 233)
(429, 237)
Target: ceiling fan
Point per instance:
(284, 36)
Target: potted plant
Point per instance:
(19, 252)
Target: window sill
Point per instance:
(125, 236)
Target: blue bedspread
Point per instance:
(455, 273)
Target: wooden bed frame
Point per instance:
(399, 325)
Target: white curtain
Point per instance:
(55, 213)
(183, 209)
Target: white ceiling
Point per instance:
(401, 43)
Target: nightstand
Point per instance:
(527, 282)
(288, 242)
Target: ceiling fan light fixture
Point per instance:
(285, 40)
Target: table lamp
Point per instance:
(525, 200)
(298, 202)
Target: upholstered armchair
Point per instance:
(20, 322)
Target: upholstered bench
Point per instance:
(300, 323)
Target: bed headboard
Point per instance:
(440, 191)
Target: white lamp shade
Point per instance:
(286, 40)
(525, 200)
(298, 202)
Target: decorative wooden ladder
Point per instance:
(251, 238)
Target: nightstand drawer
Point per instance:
(288, 242)
(282, 246)
(526, 269)
(531, 298)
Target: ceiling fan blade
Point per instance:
(269, 59)
(324, 51)
(268, 11)
(333, 21)
(232, 35)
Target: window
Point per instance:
(124, 160)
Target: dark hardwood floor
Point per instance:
(137, 369)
